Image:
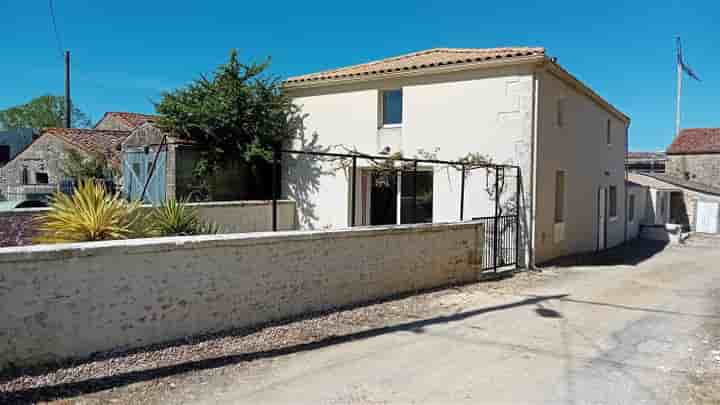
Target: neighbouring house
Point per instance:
(123, 121)
(514, 105)
(14, 141)
(694, 155)
(673, 200)
(646, 162)
(174, 175)
(37, 171)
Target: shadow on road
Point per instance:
(628, 254)
(89, 386)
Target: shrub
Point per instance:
(90, 214)
(175, 218)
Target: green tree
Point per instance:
(81, 166)
(237, 113)
(41, 112)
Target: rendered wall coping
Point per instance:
(174, 243)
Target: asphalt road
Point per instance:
(620, 330)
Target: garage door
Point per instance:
(707, 217)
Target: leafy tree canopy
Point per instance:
(239, 112)
(81, 166)
(41, 112)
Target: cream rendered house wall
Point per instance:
(450, 114)
(579, 148)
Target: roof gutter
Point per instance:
(413, 72)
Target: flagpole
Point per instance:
(677, 100)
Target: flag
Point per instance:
(682, 63)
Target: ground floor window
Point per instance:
(396, 198)
(559, 196)
(612, 202)
(631, 208)
(41, 178)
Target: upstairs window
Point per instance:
(560, 118)
(608, 133)
(392, 107)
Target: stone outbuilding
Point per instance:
(37, 172)
(694, 156)
(673, 200)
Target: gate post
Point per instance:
(497, 218)
(462, 192)
(352, 192)
(414, 191)
(518, 190)
(274, 187)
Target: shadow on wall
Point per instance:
(301, 174)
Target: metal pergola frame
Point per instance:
(463, 167)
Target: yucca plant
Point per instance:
(175, 218)
(90, 214)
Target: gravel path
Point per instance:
(144, 376)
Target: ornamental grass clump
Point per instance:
(175, 218)
(91, 214)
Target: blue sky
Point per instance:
(126, 53)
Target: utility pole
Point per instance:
(678, 94)
(68, 104)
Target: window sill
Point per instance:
(390, 126)
(612, 219)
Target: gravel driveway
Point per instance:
(637, 325)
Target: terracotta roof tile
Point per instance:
(696, 140)
(133, 120)
(646, 155)
(419, 60)
(106, 143)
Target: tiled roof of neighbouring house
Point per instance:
(646, 155)
(671, 183)
(696, 140)
(106, 143)
(133, 120)
(420, 60)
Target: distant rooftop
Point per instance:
(695, 141)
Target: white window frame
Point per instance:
(381, 109)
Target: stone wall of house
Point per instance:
(702, 168)
(112, 123)
(69, 301)
(45, 155)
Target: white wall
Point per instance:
(72, 300)
(451, 115)
(579, 148)
(642, 195)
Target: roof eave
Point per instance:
(554, 68)
(708, 152)
(414, 72)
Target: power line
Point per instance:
(55, 29)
